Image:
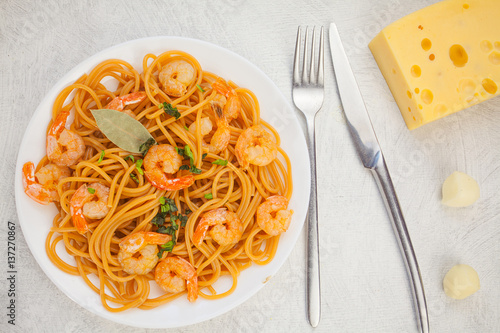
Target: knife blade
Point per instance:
(368, 148)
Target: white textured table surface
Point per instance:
(364, 283)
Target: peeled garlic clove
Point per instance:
(460, 190)
(460, 282)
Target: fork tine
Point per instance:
(305, 76)
(296, 61)
(312, 72)
(321, 65)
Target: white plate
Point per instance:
(36, 219)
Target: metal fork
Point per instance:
(308, 95)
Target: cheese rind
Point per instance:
(441, 59)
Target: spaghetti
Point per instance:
(203, 202)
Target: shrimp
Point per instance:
(174, 274)
(162, 160)
(44, 191)
(120, 102)
(232, 106)
(205, 126)
(227, 227)
(255, 146)
(146, 243)
(220, 138)
(273, 216)
(64, 147)
(176, 76)
(222, 135)
(88, 202)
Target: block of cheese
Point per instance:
(441, 59)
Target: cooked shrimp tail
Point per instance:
(174, 274)
(161, 161)
(225, 227)
(42, 186)
(34, 190)
(255, 146)
(232, 105)
(138, 251)
(88, 202)
(176, 76)
(273, 216)
(64, 147)
(220, 139)
(120, 102)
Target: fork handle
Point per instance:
(384, 182)
(313, 292)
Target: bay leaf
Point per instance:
(121, 129)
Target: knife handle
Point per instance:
(313, 292)
(386, 188)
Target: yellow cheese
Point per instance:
(441, 59)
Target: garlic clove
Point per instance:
(460, 190)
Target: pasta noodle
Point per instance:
(131, 203)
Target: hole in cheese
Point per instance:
(466, 6)
(416, 71)
(490, 86)
(427, 96)
(417, 90)
(458, 55)
(497, 45)
(409, 94)
(421, 27)
(467, 87)
(426, 44)
(494, 58)
(486, 46)
(432, 57)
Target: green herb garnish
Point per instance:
(220, 162)
(209, 196)
(144, 148)
(138, 166)
(134, 177)
(91, 190)
(200, 88)
(101, 157)
(170, 110)
(187, 153)
(168, 246)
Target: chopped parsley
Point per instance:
(168, 208)
(144, 148)
(209, 196)
(101, 157)
(134, 177)
(200, 88)
(170, 110)
(91, 190)
(187, 153)
(138, 166)
(220, 162)
(168, 247)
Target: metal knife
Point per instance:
(367, 145)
